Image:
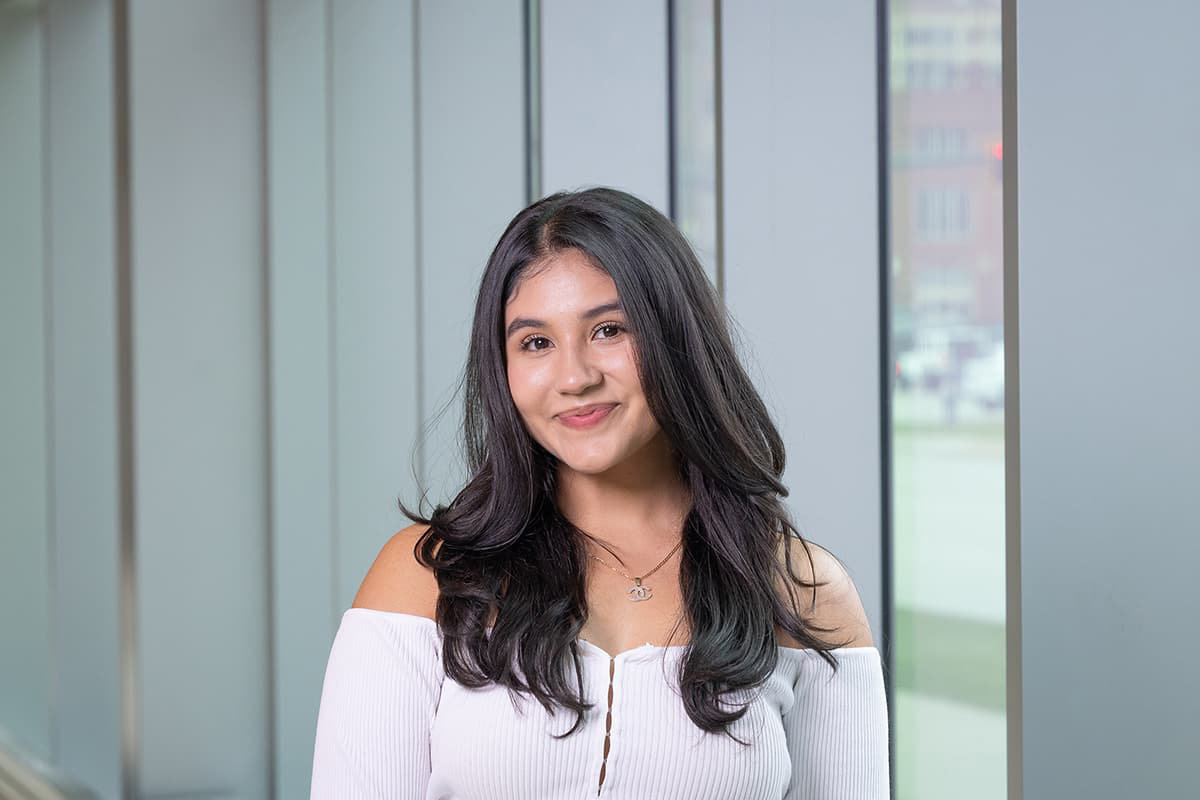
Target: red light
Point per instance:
(998, 151)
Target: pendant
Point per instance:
(639, 592)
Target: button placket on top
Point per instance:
(616, 741)
(608, 725)
(606, 664)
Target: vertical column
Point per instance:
(373, 288)
(604, 97)
(694, 146)
(26, 657)
(199, 389)
(472, 178)
(305, 602)
(82, 285)
(1105, 275)
(801, 268)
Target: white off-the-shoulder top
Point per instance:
(392, 726)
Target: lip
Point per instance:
(586, 416)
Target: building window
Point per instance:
(942, 214)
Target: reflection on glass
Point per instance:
(948, 398)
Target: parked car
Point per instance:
(936, 353)
(983, 379)
(922, 366)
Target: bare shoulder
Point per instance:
(397, 581)
(833, 604)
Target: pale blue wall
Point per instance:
(1107, 115)
(604, 95)
(82, 283)
(25, 494)
(200, 425)
(802, 258)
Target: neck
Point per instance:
(637, 506)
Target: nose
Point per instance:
(576, 372)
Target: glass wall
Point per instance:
(948, 398)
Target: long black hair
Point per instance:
(502, 548)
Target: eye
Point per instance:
(524, 345)
(616, 327)
(612, 329)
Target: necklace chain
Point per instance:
(639, 591)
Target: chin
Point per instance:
(587, 463)
(588, 466)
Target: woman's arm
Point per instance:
(837, 729)
(381, 689)
(382, 684)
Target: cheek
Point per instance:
(620, 363)
(624, 370)
(524, 384)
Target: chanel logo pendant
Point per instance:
(639, 592)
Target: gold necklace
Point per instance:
(640, 591)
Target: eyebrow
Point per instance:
(526, 322)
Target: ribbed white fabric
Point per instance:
(391, 726)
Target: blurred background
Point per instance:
(240, 243)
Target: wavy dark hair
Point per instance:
(502, 546)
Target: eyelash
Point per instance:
(534, 337)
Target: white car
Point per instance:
(925, 366)
(983, 379)
(932, 359)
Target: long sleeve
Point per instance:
(837, 729)
(382, 685)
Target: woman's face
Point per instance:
(568, 348)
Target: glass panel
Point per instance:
(948, 399)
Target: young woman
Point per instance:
(620, 554)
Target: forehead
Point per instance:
(564, 282)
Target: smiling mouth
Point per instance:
(586, 420)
